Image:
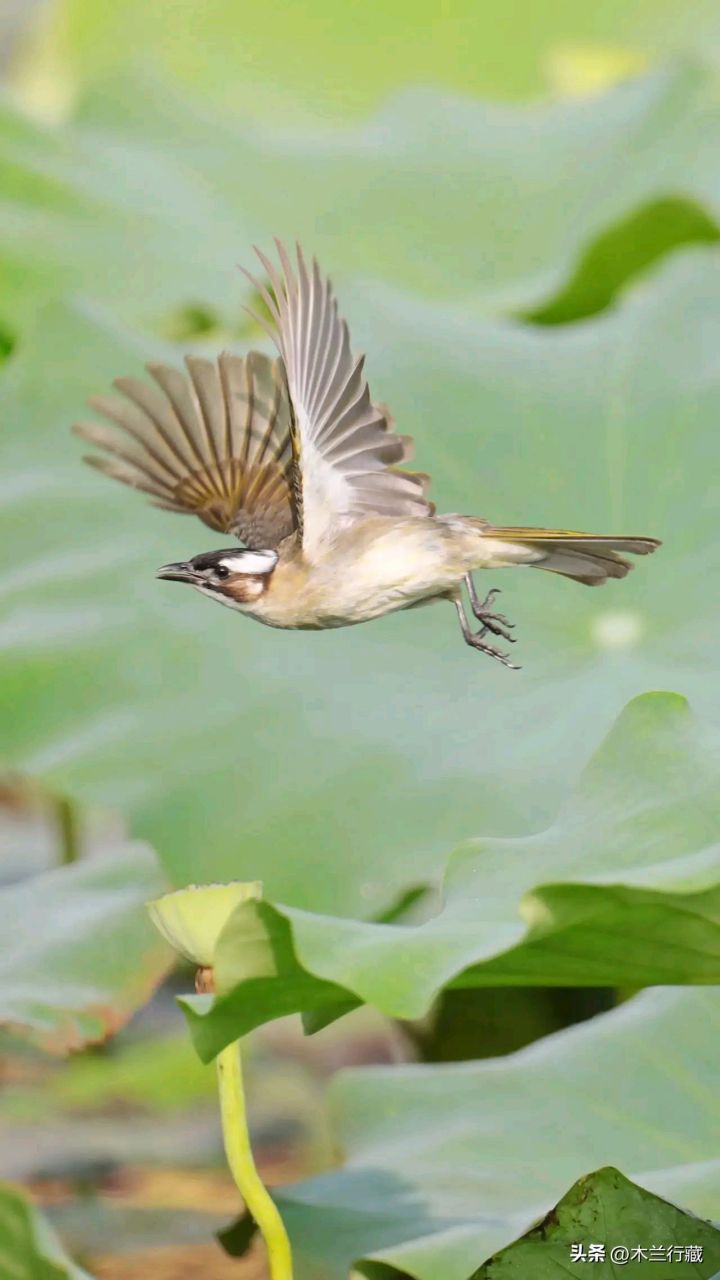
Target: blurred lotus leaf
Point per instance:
(353, 57)
(622, 888)
(79, 955)
(147, 203)
(28, 1247)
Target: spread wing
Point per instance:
(344, 448)
(215, 443)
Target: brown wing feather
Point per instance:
(215, 443)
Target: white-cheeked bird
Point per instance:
(292, 457)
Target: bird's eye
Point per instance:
(222, 571)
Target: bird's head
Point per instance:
(233, 576)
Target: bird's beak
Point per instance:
(177, 572)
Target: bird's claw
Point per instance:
(476, 642)
(497, 623)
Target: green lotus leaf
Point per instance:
(606, 1207)
(446, 1166)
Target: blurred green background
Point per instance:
(520, 208)
(456, 231)
(284, 58)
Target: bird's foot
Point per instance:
(497, 623)
(476, 642)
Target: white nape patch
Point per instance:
(617, 629)
(251, 562)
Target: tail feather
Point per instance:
(590, 558)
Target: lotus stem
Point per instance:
(255, 1194)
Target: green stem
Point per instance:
(67, 824)
(257, 1199)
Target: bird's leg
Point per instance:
(495, 622)
(476, 641)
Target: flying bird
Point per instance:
(292, 457)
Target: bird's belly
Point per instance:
(391, 573)
(372, 570)
(344, 605)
